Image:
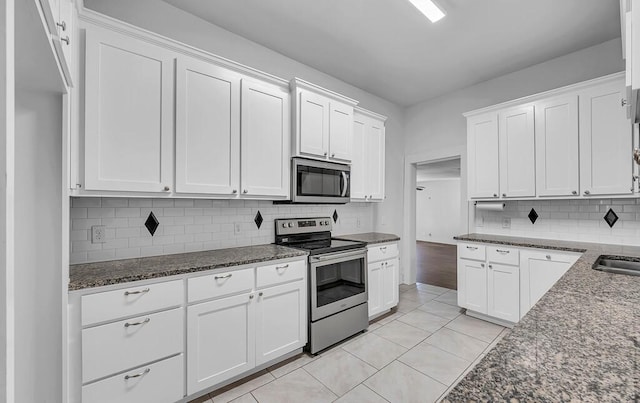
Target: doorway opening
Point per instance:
(437, 221)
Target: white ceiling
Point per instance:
(388, 48)
(449, 169)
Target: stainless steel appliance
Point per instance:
(338, 290)
(320, 182)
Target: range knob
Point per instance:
(321, 223)
(290, 224)
(326, 223)
(284, 225)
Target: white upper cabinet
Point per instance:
(128, 114)
(207, 128)
(368, 164)
(265, 140)
(605, 141)
(59, 16)
(517, 152)
(557, 146)
(482, 154)
(323, 123)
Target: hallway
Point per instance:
(436, 264)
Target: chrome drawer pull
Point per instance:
(221, 277)
(383, 248)
(286, 266)
(142, 322)
(548, 257)
(472, 247)
(502, 251)
(139, 374)
(136, 292)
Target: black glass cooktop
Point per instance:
(318, 247)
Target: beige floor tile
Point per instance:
(295, 387)
(477, 328)
(419, 296)
(389, 318)
(456, 343)
(340, 371)
(407, 305)
(242, 387)
(438, 364)
(434, 289)
(405, 287)
(361, 394)
(450, 297)
(441, 309)
(248, 398)
(374, 326)
(424, 320)
(291, 364)
(402, 334)
(375, 350)
(398, 382)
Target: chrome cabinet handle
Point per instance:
(383, 248)
(245, 191)
(333, 155)
(66, 39)
(472, 247)
(142, 322)
(623, 102)
(548, 257)
(502, 251)
(234, 191)
(62, 25)
(260, 294)
(575, 192)
(286, 266)
(325, 153)
(137, 292)
(587, 192)
(495, 195)
(481, 264)
(139, 374)
(504, 195)
(251, 296)
(221, 277)
(491, 267)
(167, 188)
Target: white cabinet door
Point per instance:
(375, 160)
(281, 320)
(65, 39)
(313, 124)
(128, 114)
(207, 128)
(375, 283)
(503, 292)
(474, 276)
(390, 284)
(557, 146)
(539, 271)
(517, 152)
(606, 141)
(340, 131)
(265, 140)
(482, 156)
(358, 171)
(220, 340)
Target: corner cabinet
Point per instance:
(382, 278)
(368, 164)
(323, 123)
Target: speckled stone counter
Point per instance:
(579, 343)
(369, 237)
(121, 271)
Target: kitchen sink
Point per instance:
(618, 266)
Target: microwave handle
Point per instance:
(345, 180)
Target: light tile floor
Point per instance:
(416, 354)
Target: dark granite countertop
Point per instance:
(122, 271)
(369, 237)
(579, 343)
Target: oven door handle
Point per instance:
(338, 255)
(345, 180)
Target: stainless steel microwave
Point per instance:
(320, 182)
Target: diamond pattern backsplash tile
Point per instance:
(533, 216)
(611, 217)
(258, 219)
(335, 216)
(152, 223)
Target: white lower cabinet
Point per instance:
(471, 272)
(502, 292)
(382, 278)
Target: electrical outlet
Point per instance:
(506, 222)
(237, 227)
(98, 233)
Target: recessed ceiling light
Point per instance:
(429, 9)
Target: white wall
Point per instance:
(438, 211)
(162, 18)
(38, 247)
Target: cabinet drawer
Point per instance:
(280, 273)
(135, 300)
(220, 284)
(117, 346)
(471, 251)
(500, 254)
(158, 382)
(382, 252)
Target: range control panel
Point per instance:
(302, 225)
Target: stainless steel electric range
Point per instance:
(337, 280)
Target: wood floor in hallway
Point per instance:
(437, 264)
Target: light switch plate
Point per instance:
(506, 222)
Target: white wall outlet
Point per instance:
(506, 222)
(98, 233)
(237, 228)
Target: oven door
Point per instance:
(320, 182)
(338, 282)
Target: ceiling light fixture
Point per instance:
(429, 9)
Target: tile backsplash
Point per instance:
(188, 225)
(581, 220)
